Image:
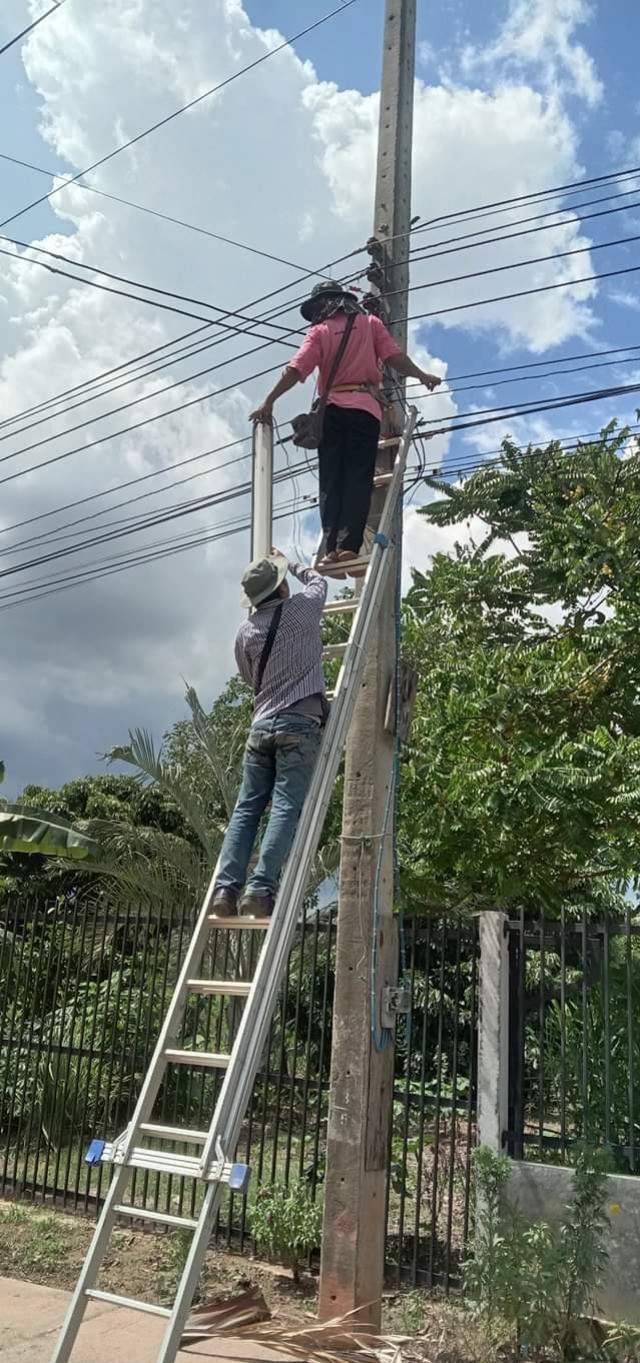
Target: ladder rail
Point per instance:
(244, 1060)
(255, 1021)
(245, 1057)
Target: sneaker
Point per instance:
(224, 903)
(256, 905)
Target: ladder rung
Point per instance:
(389, 441)
(381, 479)
(337, 607)
(210, 1060)
(130, 1303)
(173, 1133)
(334, 651)
(238, 922)
(163, 1218)
(358, 561)
(168, 1162)
(238, 987)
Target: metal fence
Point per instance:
(82, 994)
(574, 1052)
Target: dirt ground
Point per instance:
(48, 1247)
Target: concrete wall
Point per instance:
(542, 1192)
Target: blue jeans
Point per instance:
(278, 765)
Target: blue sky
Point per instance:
(512, 97)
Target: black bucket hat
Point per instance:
(323, 292)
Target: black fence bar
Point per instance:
(83, 990)
(574, 1049)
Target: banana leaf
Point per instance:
(25, 829)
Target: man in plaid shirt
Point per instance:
(279, 654)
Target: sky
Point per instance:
(512, 97)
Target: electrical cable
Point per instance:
(191, 104)
(415, 257)
(320, 272)
(216, 392)
(12, 41)
(155, 213)
(104, 288)
(134, 283)
(520, 293)
(513, 409)
(516, 265)
(505, 205)
(292, 331)
(91, 573)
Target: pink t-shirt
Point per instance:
(370, 345)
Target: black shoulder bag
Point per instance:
(307, 428)
(267, 646)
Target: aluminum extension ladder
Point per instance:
(214, 1165)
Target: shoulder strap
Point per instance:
(268, 645)
(337, 359)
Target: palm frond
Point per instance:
(140, 752)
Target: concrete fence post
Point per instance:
(493, 1032)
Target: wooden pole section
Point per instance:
(361, 1090)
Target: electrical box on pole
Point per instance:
(366, 998)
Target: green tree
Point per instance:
(521, 783)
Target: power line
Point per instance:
(180, 482)
(220, 391)
(519, 378)
(188, 350)
(518, 264)
(104, 288)
(537, 195)
(535, 364)
(162, 122)
(131, 482)
(136, 426)
(513, 408)
(268, 341)
(12, 41)
(431, 253)
(198, 348)
(93, 573)
(134, 283)
(145, 397)
(522, 293)
(481, 418)
(569, 400)
(155, 213)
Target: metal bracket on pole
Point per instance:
(262, 490)
(395, 1000)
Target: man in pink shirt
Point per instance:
(347, 453)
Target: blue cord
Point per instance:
(382, 1039)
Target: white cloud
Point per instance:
(625, 298)
(281, 161)
(515, 140)
(540, 34)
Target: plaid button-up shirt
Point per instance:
(294, 668)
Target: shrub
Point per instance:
(287, 1223)
(526, 1277)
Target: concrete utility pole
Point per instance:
(361, 1075)
(262, 490)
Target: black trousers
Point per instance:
(347, 459)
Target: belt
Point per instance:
(371, 388)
